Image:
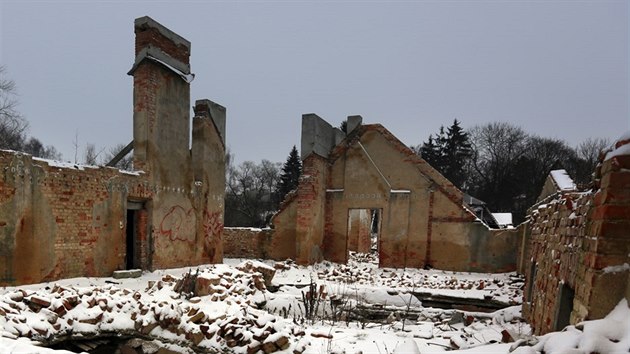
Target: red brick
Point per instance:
(615, 180)
(611, 212)
(611, 228)
(603, 261)
(613, 246)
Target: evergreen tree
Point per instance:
(430, 152)
(457, 152)
(290, 176)
(448, 152)
(344, 126)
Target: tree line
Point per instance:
(14, 127)
(498, 162)
(14, 133)
(504, 166)
(254, 191)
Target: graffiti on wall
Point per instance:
(179, 224)
(212, 230)
(212, 224)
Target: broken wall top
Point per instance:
(155, 41)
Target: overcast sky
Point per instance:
(556, 68)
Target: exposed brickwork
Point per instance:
(149, 36)
(574, 238)
(559, 240)
(75, 212)
(59, 220)
(310, 200)
(424, 220)
(247, 243)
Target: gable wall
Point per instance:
(423, 219)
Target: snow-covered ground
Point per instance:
(325, 308)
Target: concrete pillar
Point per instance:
(311, 205)
(208, 165)
(354, 122)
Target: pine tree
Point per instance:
(448, 152)
(432, 151)
(457, 151)
(290, 176)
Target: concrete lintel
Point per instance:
(150, 52)
(353, 123)
(146, 21)
(317, 136)
(215, 111)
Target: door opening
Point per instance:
(533, 271)
(132, 257)
(364, 226)
(565, 307)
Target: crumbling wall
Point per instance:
(423, 220)
(188, 205)
(580, 245)
(63, 221)
(246, 242)
(474, 247)
(60, 220)
(282, 243)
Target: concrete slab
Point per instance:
(130, 273)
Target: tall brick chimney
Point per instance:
(161, 99)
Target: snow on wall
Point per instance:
(562, 179)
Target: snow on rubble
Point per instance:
(246, 306)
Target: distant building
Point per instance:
(367, 184)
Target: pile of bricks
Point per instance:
(159, 312)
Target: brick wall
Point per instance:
(244, 242)
(170, 43)
(559, 238)
(579, 245)
(59, 221)
(311, 201)
(62, 221)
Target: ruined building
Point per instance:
(575, 249)
(368, 183)
(63, 220)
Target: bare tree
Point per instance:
(90, 155)
(587, 153)
(35, 147)
(497, 148)
(250, 192)
(12, 125)
(126, 163)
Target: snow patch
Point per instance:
(400, 191)
(563, 181)
(617, 268)
(503, 219)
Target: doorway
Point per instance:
(565, 307)
(364, 226)
(132, 254)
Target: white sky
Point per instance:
(556, 68)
